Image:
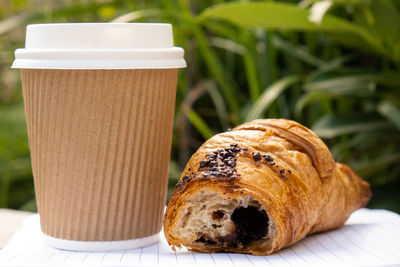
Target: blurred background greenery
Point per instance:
(334, 66)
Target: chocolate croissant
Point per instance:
(259, 188)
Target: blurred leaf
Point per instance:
(352, 83)
(29, 205)
(345, 2)
(5, 181)
(298, 52)
(200, 125)
(318, 10)
(273, 15)
(387, 24)
(228, 44)
(330, 126)
(174, 172)
(325, 88)
(309, 98)
(174, 175)
(20, 168)
(18, 4)
(386, 196)
(76, 9)
(283, 16)
(13, 22)
(335, 66)
(217, 71)
(107, 12)
(221, 29)
(219, 104)
(249, 63)
(251, 75)
(375, 166)
(268, 97)
(135, 15)
(366, 145)
(390, 111)
(382, 19)
(342, 83)
(13, 136)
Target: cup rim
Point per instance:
(99, 45)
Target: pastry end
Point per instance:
(210, 222)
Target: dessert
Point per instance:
(259, 188)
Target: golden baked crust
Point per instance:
(261, 187)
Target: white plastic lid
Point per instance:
(99, 46)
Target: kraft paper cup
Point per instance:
(99, 104)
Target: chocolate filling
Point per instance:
(205, 240)
(251, 224)
(217, 215)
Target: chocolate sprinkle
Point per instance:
(219, 164)
(203, 164)
(268, 158)
(282, 173)
(257, 156)
(289, 171)
(235, 148)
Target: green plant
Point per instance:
(348, 63)
(331, 65)
(358, 105)
(349, 96)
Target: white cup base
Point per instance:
(100, 245)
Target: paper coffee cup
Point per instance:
(99, 104)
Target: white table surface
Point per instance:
(369, 238)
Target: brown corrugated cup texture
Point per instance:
(100, 144)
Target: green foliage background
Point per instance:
(334, 66)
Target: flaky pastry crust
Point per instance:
(259, 188)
